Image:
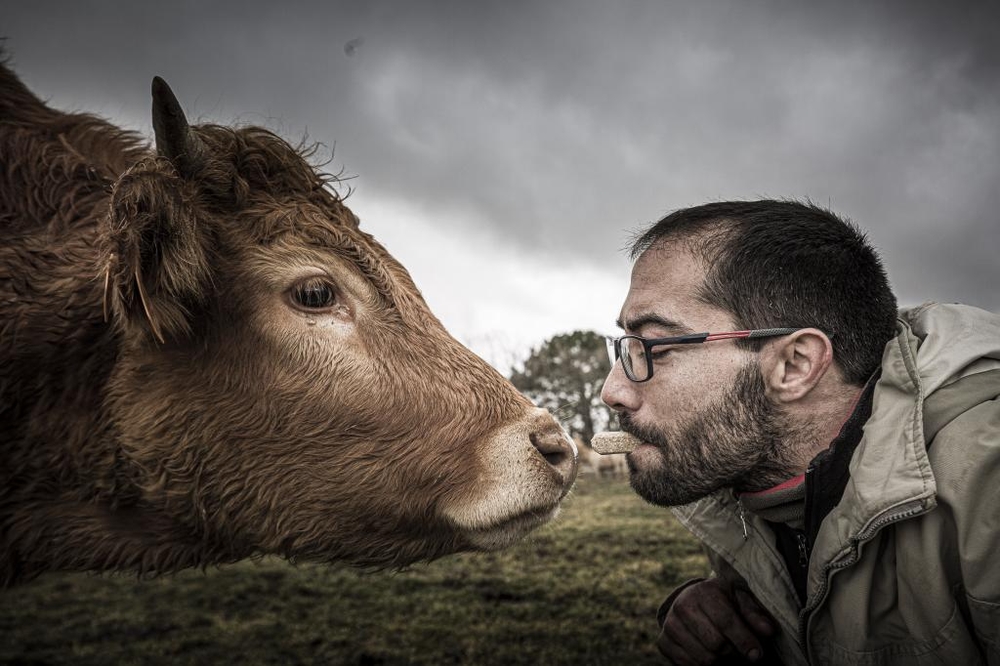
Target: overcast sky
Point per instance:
(506, 152)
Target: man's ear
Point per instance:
(794, 364)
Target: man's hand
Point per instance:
(710, 620)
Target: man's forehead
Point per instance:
(675, 257)
(663, 274)
(665, 292)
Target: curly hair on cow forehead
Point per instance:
(280, 187)
(243, 163)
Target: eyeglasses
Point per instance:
(637, 359)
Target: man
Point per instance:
(840, 462)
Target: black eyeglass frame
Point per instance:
(615, 345)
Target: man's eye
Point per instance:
(659, 354)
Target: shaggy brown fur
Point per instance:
(207, 419)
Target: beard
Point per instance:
(741, 441)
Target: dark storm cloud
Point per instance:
(565, 126)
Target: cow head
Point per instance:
(282, 386)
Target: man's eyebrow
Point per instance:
(637, 322)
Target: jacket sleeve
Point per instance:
(661, 613)
(720, 569)
(965, 457)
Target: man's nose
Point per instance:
(618, 391)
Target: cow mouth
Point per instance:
(505, 532)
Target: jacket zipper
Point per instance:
(743, 520)
(800, 537)
(848, 557)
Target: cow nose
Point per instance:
(558, 450)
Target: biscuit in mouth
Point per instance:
(607, 443)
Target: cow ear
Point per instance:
(175, 139)
(157, 271)
(157, 255)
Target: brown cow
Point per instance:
(202, 358)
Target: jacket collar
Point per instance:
(890, 470)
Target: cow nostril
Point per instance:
(558, 452)
(549, 447)
(554, 459)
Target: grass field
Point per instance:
(583, 590)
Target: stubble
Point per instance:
(741, 441)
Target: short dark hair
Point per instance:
(785, 263)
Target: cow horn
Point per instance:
(174, 138)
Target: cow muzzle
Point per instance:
(557, 448)
(526, 469)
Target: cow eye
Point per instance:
(314, 294)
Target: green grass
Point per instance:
(583, 590)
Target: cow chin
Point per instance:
(526, 469)
(508, 532)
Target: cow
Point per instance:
(203, 358)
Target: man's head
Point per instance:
(746, 414)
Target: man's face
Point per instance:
(704, 413)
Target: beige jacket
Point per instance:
(906, 568)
